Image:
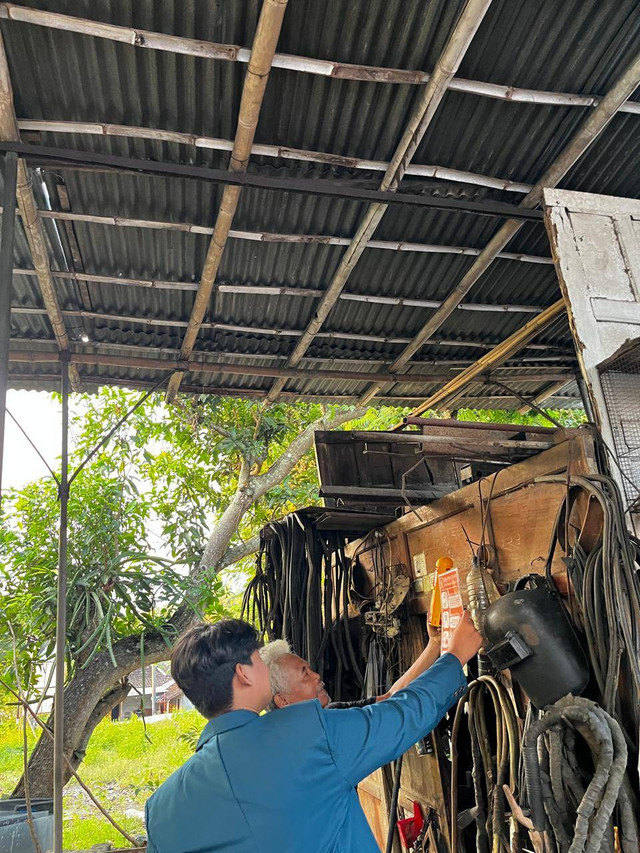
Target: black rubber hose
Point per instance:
(393, 808)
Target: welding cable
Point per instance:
(488, 773)
(593, 814)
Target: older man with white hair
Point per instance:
(293, 680)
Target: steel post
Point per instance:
(61, 614)
(6, 284)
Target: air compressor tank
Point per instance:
(529, 632)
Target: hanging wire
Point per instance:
(33, 445)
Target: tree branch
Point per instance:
(238, 552)
(297, 449)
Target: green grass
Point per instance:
(121, 768)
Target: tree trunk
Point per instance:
(87, 699)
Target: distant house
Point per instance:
(173, 699)
(134, 700)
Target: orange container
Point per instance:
(443, 564)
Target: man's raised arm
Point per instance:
(363, 739)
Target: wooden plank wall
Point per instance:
(522, 515)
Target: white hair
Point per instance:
(272, 655)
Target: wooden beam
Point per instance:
(147, 39)
(280, 152)
(451, 445)
(495, 357)
(338, 356)
(376, 495)
(270, 237)
(204, 364)
(252, 393)
(30, 217)
(588, 132)
(434, 91)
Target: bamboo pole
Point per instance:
(30, 216)
(540, 398)
(494, 358)
(588, 132)
(254, 330)
(211, 365)
(255, 84)
(278, 290)
(270, 237)
(306, 65)
(434, 91)
(278, 151)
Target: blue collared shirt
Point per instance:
(285, 782)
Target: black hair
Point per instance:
(204, 660)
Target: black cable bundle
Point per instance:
(300, 593)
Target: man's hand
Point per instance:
(434, 632)
(465, 640)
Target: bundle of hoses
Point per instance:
(300, 593)
(606, 584)
(491, 769)
(578, 819)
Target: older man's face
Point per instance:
(303, 683)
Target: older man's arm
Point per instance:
(429, 656)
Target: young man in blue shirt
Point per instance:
(285, 782)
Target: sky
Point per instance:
(40, 416)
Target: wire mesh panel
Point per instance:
(620, 380)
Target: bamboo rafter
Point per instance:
(277, 290)
(505, 349)
(337, 357)
(543, 396)
(307, 65)
(31, 220)
(279, 151)
(270, 237)
(250, 330)
(255, 84)
(434, 91)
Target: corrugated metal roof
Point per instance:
(579, 46)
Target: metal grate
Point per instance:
(620, 380)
